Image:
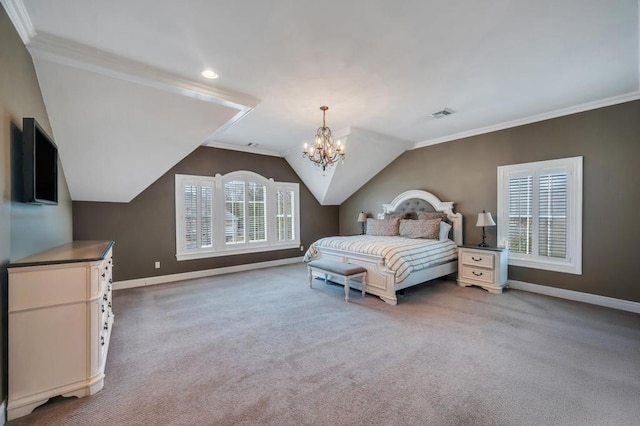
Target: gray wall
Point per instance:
(465, 171)
(144, 229)
(24, 229)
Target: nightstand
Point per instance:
(485, 267)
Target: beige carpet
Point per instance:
(261, 348)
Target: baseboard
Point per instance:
(3, 412)
(594, 299)
(161, 279)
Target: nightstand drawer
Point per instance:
(477, 274)
(485, 260)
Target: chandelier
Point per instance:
(324, 153)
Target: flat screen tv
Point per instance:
(40, 164)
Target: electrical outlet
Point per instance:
(301, 248)
(157, 265)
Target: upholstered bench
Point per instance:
(346, 271)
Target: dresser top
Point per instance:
(75, 251)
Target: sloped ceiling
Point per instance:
(121, 80)
(131, 137)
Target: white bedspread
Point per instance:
(402, 255)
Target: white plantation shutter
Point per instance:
(234, 197)
(285, 215)
(552, 216)
(190, 218)
(206, 216)
(194, 213)
(520, 214)
(540, 214)
(257, 206)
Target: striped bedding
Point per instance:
(402, 255)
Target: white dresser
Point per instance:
(485, 267)
(60, 321)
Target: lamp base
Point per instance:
(483, 244)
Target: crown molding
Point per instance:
(627, 97)
(70, 53)
(20, 19)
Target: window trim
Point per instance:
(220, 247)
(572, 264)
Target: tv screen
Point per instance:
(40, 164)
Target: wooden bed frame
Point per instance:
(382, 281)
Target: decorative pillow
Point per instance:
(432, 215)
(444, 230)
(429, 229)
(388, 228)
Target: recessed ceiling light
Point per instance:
(210, 74)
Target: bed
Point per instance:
(393, 262)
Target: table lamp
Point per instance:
(484, 219)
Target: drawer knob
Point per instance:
(110, 280)
(476, 273)
(104, 297)
(104, 274)
(109, 304)
(102, 304)
(102, 340)
(476, 259)
(106, 326)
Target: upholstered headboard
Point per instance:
(415, 201)
(412, 206)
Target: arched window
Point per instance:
(240, 212)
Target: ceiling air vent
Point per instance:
(443, 113)
(253, 144)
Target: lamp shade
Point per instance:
(485, 219)
(362, 217)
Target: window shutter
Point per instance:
(257, 212)
(520, 214)
(234, 196)
(206, 216)
(190, 236)
(197, 215)
(552, 216)
(285, 215)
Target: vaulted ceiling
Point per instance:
(122, 86)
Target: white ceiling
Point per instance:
(123, 68)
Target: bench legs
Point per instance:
(326, 276)
(346, 288)
(347, 278)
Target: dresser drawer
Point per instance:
(477, 274)
(485, 260)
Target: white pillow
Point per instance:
(444, 230)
